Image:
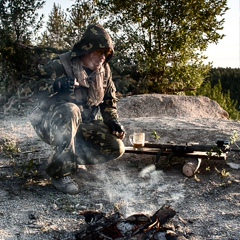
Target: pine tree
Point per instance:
(55, 33)
(81, 14)
(223, 99)
(19, 24)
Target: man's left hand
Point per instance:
(117, 129)
(120, 135)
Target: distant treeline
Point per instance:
(230, 81)
(222, 85)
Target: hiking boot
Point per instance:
(65, 185)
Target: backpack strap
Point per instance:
(65, 59)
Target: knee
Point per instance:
(68, 109)
(66, 113)
(119, 148)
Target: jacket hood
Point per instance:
(95, 38)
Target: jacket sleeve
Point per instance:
(109, 106)
(51, 71)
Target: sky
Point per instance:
(224, 54)
(227, 52)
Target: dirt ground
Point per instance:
(207, 205)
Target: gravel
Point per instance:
(207, 205)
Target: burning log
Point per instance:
(135, 227)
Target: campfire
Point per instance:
(135, 227)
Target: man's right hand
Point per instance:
(64, 85)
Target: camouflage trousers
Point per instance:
(74, 142)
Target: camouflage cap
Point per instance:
(95, 38)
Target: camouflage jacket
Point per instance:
(65, 64)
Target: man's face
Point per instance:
(97, 58)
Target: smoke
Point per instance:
(145, 193)
(146, 172)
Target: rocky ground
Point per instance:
(207, 204)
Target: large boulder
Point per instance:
(160, 105)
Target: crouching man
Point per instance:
(66, 120)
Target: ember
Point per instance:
(135, 227)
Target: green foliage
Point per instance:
(155, 135)
(230, 80)
(224, 100)
(159, 44)
(56, 29)
(234, 138)
(19, 19)
(64, 29)
(19, 22)
(165, 39)
(9, 147)
(81, 14)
